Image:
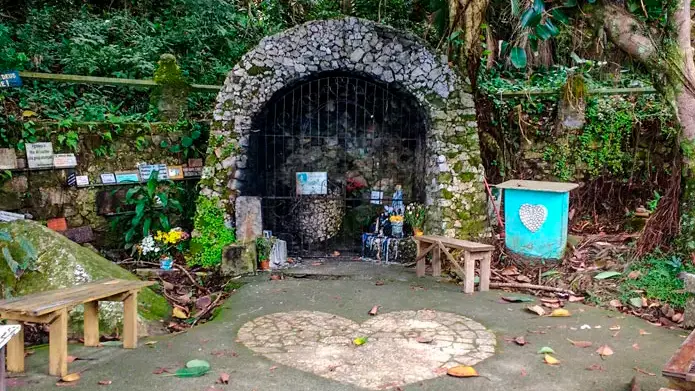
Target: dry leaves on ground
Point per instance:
(224, 378)
(580, 344)
(374, 310)
(560, 312)
(521, 341)
(462, 371)
(604, 350)
(550, 360)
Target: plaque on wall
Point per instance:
(147, 169)
(82, 180)
(175, 172)
(312, 183)
(192, 171)
(108, 178)
(8, 159)
(10, 79)
(40, 155)
(195, 162)
(72, 179)
(127, 177)
(64, 160)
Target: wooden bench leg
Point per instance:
(420, 266)
(130, 321)
(58, 345)
(436, 263)
(469, 268)
(485, 271)
(15, 350)
(91, 323)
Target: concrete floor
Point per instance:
(348, 290)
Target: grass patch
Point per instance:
(658, 280)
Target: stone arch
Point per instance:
(454, 171)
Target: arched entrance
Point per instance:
(361, 63)
(368, 137)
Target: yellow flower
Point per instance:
(396, 219)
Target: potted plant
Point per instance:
(263, 248)
(415, 217)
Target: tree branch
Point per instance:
(626, 32)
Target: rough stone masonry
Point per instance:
(454, 171)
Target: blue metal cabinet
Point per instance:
(536, 217)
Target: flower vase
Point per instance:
(397, 229)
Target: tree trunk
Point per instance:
(630, 35)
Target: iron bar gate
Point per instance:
(366, 136)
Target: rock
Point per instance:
(249, 221)
(62, 263)
(356, 56)
(238, 259)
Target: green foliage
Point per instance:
(187, 145)
(658, 280)
(211, 236)
(263, 247)
(152, 203)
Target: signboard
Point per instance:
(10, 79)
(127, 177)
(8, 159)
(6, 334)
(108, 178)
(9, 216)
(72, 178)
(376, 197)
(192, 171)
(312, 183)
(64, 160)
(82, 180)
(40, 155)
(175, 172)
(146, 171)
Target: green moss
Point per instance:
(466, 176)
(211, 234)
(475, 161)
(168, 71)
(447, 194)
(458, 166)
(444, 177)
(256, 70)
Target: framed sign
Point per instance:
(9, 216)
(64, 160)
(147, 169)
(40, 155)
(175, 172)
(312, 183)
(127, 177)
(10, 79)
(192, 171)
(108, 178)
(82, 180)
(8, 159)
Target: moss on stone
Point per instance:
(256, 70)
(466, 176)
(458, 166)
(444, 177)
(447, 195)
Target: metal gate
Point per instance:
(366, 136)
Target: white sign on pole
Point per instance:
(312, 183)
(40, 155)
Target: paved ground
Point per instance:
(348, 291)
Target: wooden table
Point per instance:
(472, 252)
(52, 307)
(680, 369)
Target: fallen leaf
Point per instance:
(70, 359)
(560, 312)
(551, 305)
(636, 302)
(151, 343)
(550, 301)
(374, 310)
(518, 299)
(635, 274)
(424, 339)
(274, 367)
(581, 344)
(615, 303)
(607, 274)
(359, 341)
(197, 363)
(574, 299)
(594, 367)
(104, 382)
(550, 360)
(28, 113)
(523, 372)
(510, 271)
(604, 350)
(635, 346)
(677, 317)
(317, 263)
(520, 341)
(642, 371)
(546, 350)
(71, 377)
(614, 328)
(462, 371)
(379, 283)
(192, 371)
(224, 378)
(160, 370)
(550, 273)
(523, 278)
(536, 309)
(179, 313)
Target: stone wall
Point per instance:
(45, 194)
(454, 170)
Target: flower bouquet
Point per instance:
(415, 215)
(164, 246)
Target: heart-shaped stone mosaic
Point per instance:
(533, 216)
(402, 347)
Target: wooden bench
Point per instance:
(52, 307)
(472, 252)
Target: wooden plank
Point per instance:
(600, 91)
(678, 367)
(91, 323)
(58, 345)
(420, 260)
(485, 271)
(19, 317)
(130, 321)
(459, 270)
(436, 262)
(15, 350)
(455, 243)
(20, 301)
(469, 267)
(3, 386)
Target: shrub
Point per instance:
(211, 235)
